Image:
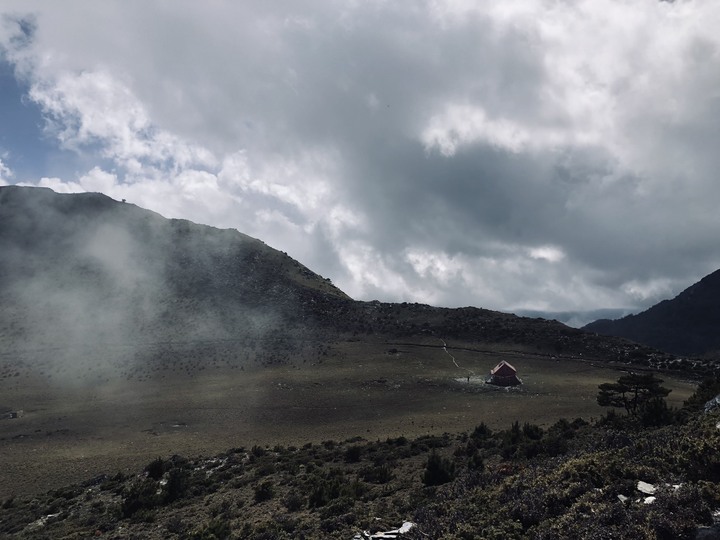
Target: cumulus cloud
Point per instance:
(5, 174)
(536, 155)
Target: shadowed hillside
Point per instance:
(685, 325)
(84, 269)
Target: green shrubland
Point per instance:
(572, 479)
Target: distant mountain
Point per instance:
(575, 319)
(689, 324)
(79, 270)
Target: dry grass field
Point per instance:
(70, 431)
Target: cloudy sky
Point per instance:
(549, 154)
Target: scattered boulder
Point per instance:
(405, 528)
(713, 405)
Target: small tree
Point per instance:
(634, 392)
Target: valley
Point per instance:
(372, 387)
(163, 379)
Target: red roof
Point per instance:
(503, 369)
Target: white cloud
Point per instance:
(300, 182)
(5, 174)
(507, 154)
(547, 253)
(652, 289)
(371, 274)
(96, 109)
(99, 181)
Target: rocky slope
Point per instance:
(84, 269)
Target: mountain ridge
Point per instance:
(115, 267)
(80, 269)
(685, 325)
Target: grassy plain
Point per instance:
(372, 389)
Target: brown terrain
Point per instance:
(372, 388)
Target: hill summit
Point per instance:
(86, 268)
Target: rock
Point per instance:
(713, 404)
(644, 487)
(406, 526)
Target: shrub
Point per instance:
(264, 491)
(156, 468)
(329, 444)
(532, 432)
(353, 454)
(706, 390)
(438, 470)
(380, 474)
(656, 413)
(476, 463)
(337, 507)
(323, 492)
(177, 485)
(216, 529)
(142, 495)
(294, 501)
(265, 469)
(258, 451)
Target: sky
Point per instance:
(520, 155)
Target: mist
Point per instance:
(95, 290)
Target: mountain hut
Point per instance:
(503, 375)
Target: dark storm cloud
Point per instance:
(547, 155)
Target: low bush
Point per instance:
(264, 491)
(438, 470)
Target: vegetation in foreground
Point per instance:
(573, 480)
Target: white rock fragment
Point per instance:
(622, 498)
(644, 487)
(649, 500)
(406, 526)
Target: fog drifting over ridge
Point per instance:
(93, 289)
(544, 156)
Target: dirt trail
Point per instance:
(470, 373)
